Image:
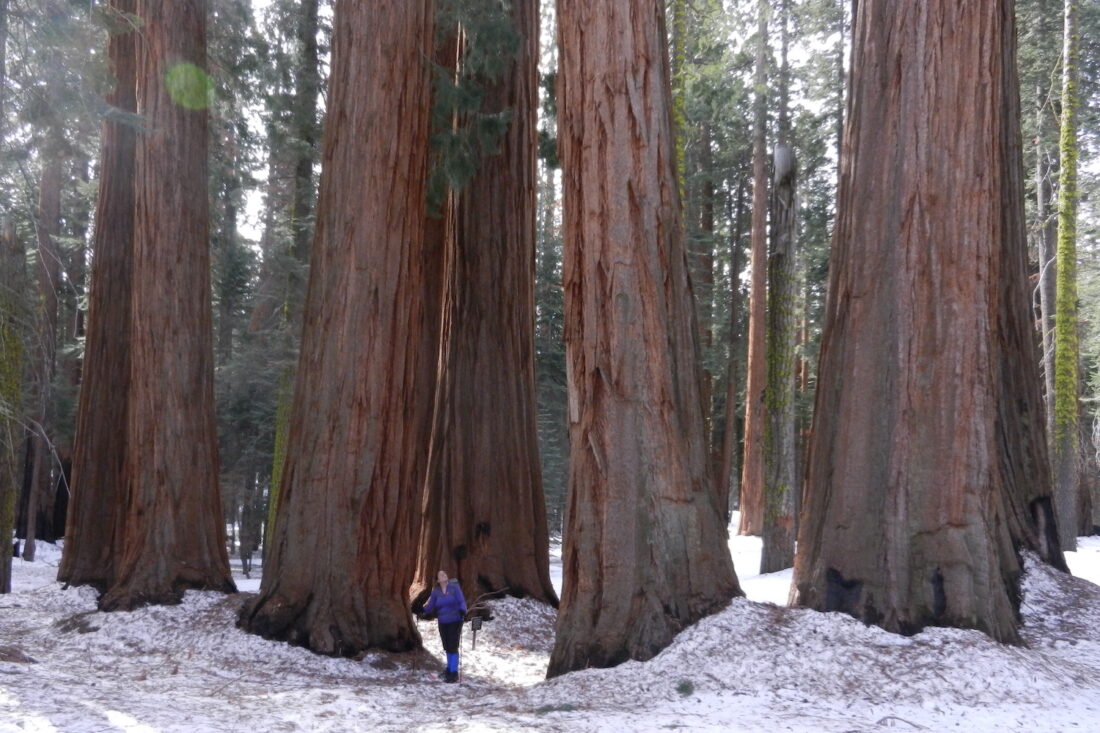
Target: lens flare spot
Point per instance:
(189, 86)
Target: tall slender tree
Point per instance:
(1046, 236)
(928, 465)
(645, 552)
(752, 466)
(343, 549)
(780, 428)
(172, 535)
(36, 502)
(485, 513)
(12, 266)
(1067, 353)
(728, 477)
(100, 448)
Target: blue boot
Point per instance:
(452, 667)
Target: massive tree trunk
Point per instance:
(780, 426)
(485, 513)
(343, 548)
(172, 535)
(99, 452)
(12, 357)
(645, 548)
(928, 465)
(1067, 354)
(752, 466)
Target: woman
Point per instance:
(448, 603)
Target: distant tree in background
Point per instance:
(12, 273)
(291, 91)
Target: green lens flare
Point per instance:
(189, 86)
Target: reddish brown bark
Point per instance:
(344, 547)
(99, 452)
(645, 548)
(485, 513)
(927, 463)
(752, 465)
(172, 535)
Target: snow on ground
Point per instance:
(756, 666)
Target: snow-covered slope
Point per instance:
(754, 667)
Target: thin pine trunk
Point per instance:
(1067, 354)
(780, 429)
(752, 467)
(728, 475)
(48, 229)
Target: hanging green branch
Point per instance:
(463, 131)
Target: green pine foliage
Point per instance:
(463, 131)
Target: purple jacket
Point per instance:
(450, 606)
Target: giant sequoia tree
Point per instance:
(645, 552)
(99, 451)
(163, 521)
(343, 549)
(752, 467)
(928, 465)
(485, 517)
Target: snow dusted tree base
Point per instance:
(185, 666)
